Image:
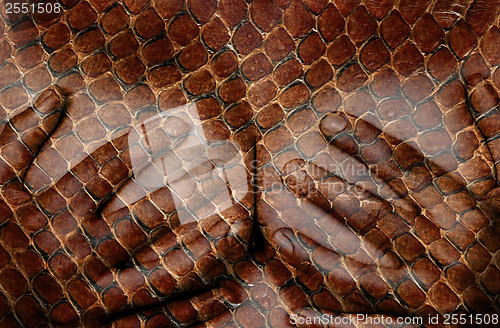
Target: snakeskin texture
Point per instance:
(232, 163)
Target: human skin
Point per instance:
(253, 176)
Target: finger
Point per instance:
(136, 288)
(482, 96)
(22, 136)
(199, 309)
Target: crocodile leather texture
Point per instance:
(249, 163)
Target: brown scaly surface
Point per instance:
(371, 129)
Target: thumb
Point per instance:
(22, 136)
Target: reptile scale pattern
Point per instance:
(230, 163)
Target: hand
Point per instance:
(100, 237)
(174, 179)
(362, 208)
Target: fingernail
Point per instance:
(48, 101)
